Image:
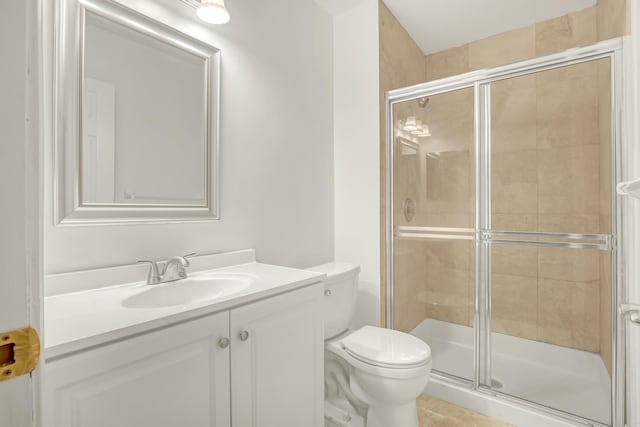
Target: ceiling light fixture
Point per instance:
(213, 11)
(418, 128)
(424, 132)
(410, 125)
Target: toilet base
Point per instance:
(385, 395)
(337, 416)
(380, 415)
(398, 409)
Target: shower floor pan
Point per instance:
(562, 378)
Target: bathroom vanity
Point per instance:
(235, 342)
(238, 345)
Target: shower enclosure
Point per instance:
(502, 230)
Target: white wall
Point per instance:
(356, 150)
(276, 145)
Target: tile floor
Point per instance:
(438, 413)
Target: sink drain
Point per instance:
(496, 384)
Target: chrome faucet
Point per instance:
(173, 269)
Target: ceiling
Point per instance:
(437, 25)
(336, 7)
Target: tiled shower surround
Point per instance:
(550, 172)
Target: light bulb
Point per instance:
(213, 11)
(418, 130)
(410, 125)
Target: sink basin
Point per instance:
(190, 290)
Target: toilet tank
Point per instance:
(340, 289)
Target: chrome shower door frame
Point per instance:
(485, 237)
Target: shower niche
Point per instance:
(507, 264)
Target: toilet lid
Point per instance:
(386, 347)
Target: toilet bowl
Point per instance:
(381, 371)
(388, 370)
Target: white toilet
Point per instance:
(373, 375)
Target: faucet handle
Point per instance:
(154, 275)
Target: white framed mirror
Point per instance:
(137, 119)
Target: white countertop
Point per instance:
(80, 320)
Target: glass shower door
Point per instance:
(549, 239)
(434, 226)
(503, 231)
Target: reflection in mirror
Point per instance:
(144, 119)
(137, 113)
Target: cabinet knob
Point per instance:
(244, 335)
(327, 292)
(223, 342)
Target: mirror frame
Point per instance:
(68, 86)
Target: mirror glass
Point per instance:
(144, 119)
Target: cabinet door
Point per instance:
(177, 376)
(277, 362)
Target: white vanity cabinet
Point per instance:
(177, 376)
(187, 375)
(277, 361)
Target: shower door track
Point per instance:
(488, 391)
(484, 237)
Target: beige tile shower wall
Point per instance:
(447, 199)
(401, 64)
(613, 18)
(547, 158)
(608, 19)
(555, 35)
(401, 60)
(449, 281)
(409, 294)
(434, 279)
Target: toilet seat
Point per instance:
(387, 348)
(383, 352)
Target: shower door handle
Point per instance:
(631, 312)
